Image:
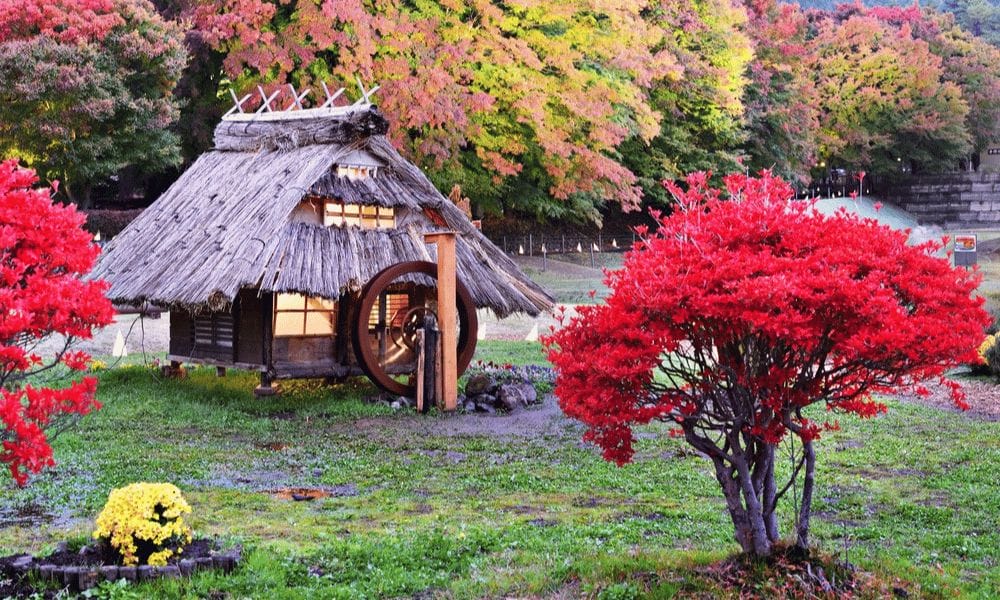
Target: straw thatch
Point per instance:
(226, 223)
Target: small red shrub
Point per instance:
(44, 253)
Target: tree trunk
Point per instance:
(79, 195)
(748, 487)
(805, 509)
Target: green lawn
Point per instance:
(469, 507)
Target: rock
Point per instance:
(469, 406)
(486, 408)
(186, 565)
(128, 574)
(61, 547)
(22, 563)
(109, 573)
(479, 384)
(203, 563)
(45, 571)
(517, 394)
(69, 576)
(486, 399)
(170, 572)
(405, 402)
(144, 573)
(395, 405)
(87, 578)
(230, 560)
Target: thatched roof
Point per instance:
(226, 224)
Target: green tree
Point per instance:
(88, 89)
(967, 61)
(702, 110)
(883, 96)
(782, 116)
(979, 17)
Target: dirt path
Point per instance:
(983, 398)
(545, 421)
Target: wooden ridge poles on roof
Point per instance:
(238, 111)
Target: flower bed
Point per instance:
(91, 565)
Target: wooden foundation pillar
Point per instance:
(447, 310)
(267, 324)
(265, 388)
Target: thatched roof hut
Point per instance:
(230, 221)
(311, 203)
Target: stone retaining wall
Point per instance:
(953, 199)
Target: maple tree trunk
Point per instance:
(749, 489)
(751, 494)
(805, 509)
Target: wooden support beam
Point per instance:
(267, 339)
(420, 371)
(447, 315)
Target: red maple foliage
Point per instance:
(743, 310)
(43, 254)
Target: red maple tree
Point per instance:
(742, 311)
(43, 254)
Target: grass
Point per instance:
(429, 505)
(569, 277)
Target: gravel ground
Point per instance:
(983, 398)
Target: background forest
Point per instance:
(548, 109)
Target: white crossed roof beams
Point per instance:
(267, 111)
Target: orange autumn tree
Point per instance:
(523, 102)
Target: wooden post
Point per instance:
(430, 360)
(420, 370)
(382, 331)
(267, 338)
(447, 316)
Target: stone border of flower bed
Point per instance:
(81, 578)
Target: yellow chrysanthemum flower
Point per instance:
(145, 516)
(984, 348)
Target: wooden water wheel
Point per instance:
(392, 309)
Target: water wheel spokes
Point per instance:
(386, 346)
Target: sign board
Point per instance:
(965, 250)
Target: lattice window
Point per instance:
(296, 315)
(395, 309)
(213, 331)
(338, 214)
(353, 172)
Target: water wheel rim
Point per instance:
(368, 360)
